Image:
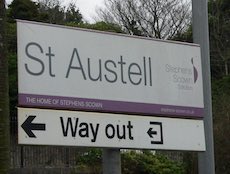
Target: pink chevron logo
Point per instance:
(195, 72)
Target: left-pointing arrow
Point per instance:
(28, 126)
(151, 132)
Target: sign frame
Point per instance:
(180, 93)
(87, 129)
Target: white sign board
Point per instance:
(71, 128)
(70, 68)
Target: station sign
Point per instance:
(87, 129)
(78, 69)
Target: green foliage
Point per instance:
(11, 39)
(52, 15)
(73, 14)
(221, 116)
(23, 9)
(147, 163)
(90, 161)
(219, 17)
(184, 36)
(12, 66)
(102, 26)
(13, 92)
(132, 163)
(4, 108)
(49, 11)
(92, 156)
(221, 87)
(190, 160)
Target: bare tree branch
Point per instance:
(152, 18)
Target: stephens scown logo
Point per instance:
(195, 72)
(183, 76)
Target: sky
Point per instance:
(87, 7)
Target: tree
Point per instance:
(219, 24)
(186, 36)
(49, 11)
(4, 103)
(23, 9)
(101, 26)
(73, 14)
(152, 18)
(221, 113)
(147, 163)
(132, 163)
(90, 161)
(52, 11)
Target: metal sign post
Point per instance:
(111, 161)
(201, 36)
